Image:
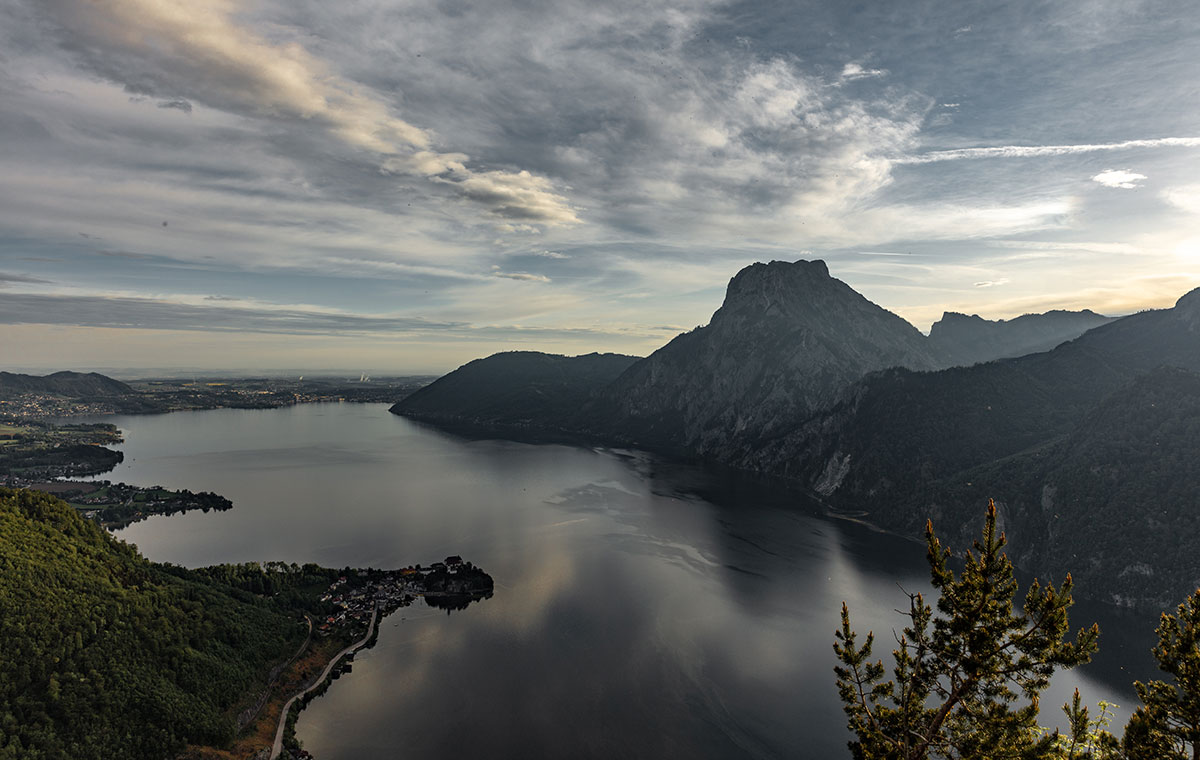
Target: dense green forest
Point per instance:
(522, 388)
(104, 654)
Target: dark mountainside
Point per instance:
(899, 431)
(1114, 502)
(963, 340)
(786, 341)
(73, 384)
(517, 388)
(910, 446)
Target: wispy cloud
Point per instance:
(239, 316)
(523, 276)
(1042, 151)
(197, 52)
(6, 278)
(852, 71)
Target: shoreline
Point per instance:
(277, 747)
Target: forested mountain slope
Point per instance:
(106, 655)
(519, 388)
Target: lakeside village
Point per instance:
(450, 585)
(44, 457)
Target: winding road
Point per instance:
(278, 746)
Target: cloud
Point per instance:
(1119, 178)
(1042, 151)
(1076, 245)
(6, 278)
(178, 104)
(196, 51)
(520, 196)
(991, 283)
(1184, 197)
(523, 276)
(202, 314)
(852, 71)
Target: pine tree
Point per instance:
(966, 679)
(1167, 726)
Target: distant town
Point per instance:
(39, 450)
(71, 394)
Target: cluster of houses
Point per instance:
(355, 598)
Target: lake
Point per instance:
(642, 607)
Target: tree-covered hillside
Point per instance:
(1114, 502)
(520, 388)
(104, 654)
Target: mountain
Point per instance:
(1113, 502)
(963, 340)
(72, 384)
(518, 388)
(786, 341)
(104, 654)
(798, 376)
(905, 447)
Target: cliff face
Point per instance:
(786, 341)
(963, 340)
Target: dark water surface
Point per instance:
(643, 608)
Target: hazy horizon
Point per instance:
(147, 371)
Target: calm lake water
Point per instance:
(643, 608)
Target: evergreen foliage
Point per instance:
(1167, 726)
(966, 679)
(106, 655)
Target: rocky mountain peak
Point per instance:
(787, 339)
(779, 284)
(1189, 301)
(1188, 309)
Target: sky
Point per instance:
(402, 186)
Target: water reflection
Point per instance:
(642, 607)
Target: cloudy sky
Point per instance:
(403, 185)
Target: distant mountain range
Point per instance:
(964, 340)
(799, 376)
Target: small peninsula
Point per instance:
(168, 661)
(46, 457)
